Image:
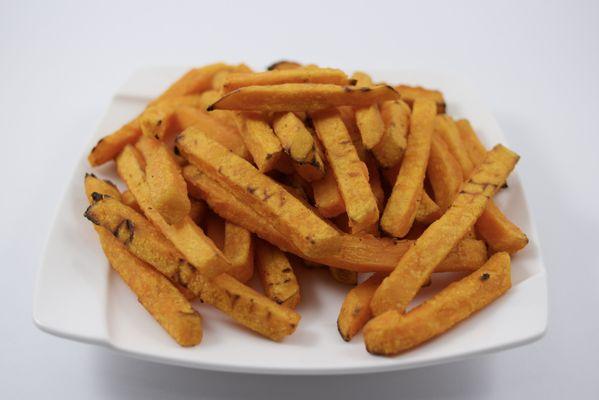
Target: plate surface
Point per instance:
(78, 297)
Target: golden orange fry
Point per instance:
(393, 332)
(350, 172)
(409, 94)
(301, 97)
(276, 274)
(389, 150)
(444, 173)
(276, 77)
(402, 204)
(369, 120)
(428, 211)
(260, 140)
(437, 241)
(327, 198)
(447, 129)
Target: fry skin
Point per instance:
(261, 193)
(301, 97)
(392, 332)
(355, 311)
(187, 237)
(498, 231)
(193, 82)
(276, 274)
(396, 117)
(226, 135)
(402, 204)
(160, 298)
(369, 120)
(409, 94)
(447, 129)
(298, 142)
(437, 241)
(350, 172)
(277, 77)
(444, 173)
(168, 190)
(260, 140)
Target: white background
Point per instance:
(535, 64)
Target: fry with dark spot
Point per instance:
(276, 274)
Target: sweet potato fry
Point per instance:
(350, 172)
(298, 142)
(187, 237)
(239, 249)
(392, 332)
(260, 140)
(225, 134)
(468, 255)
(267, 198)
(219, 79)
(402, 205)
(301, 97)
(193, 82)
(498, 231)
(409, 94)
(369, 120)
(355, 311)
(159, 120)
(396, 117)
(444, 173)
(327, 198)
(129, 200)
(447, 129)
(415, 267)
(102, 186)
(349, 120)
(168, 190)
(246, 306)
(428, 211)
(197, 211)
(277, 77)
(374, 179)
(276, 274)
(158, 296)
(111, 145)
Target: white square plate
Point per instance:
(78, 296)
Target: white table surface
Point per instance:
(536, 65)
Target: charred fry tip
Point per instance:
(110, 183)
(88, 214)
(211, 107)
(352, 82)
(344, 337)
(98, 196)
(89, 175)
(176, 151)
(277, 63)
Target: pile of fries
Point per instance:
(231, 171)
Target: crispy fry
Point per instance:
(355, 311)
(369, 120)
(402, 205)
(301, 97)
(444, 173)
(102, 186)
(350, 172)
(187, 237)
(468, 255)
(111, 145)
(224, 134)
(392, 332)
(260, 140)
(436, 242)
(267, 198)
(374, 178)
(447, 129)
(428, 211)
(159, 120)
(410, 93)
(498, 231)
(136, 233)
(246, 306)
(389, 150)
(193, 82)
(349, 120)
(220, 77)
(158, 296)
(276, 274)
(168, 190)
(298, 142)
(344, 276)
(327, 198)
(277, 77)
